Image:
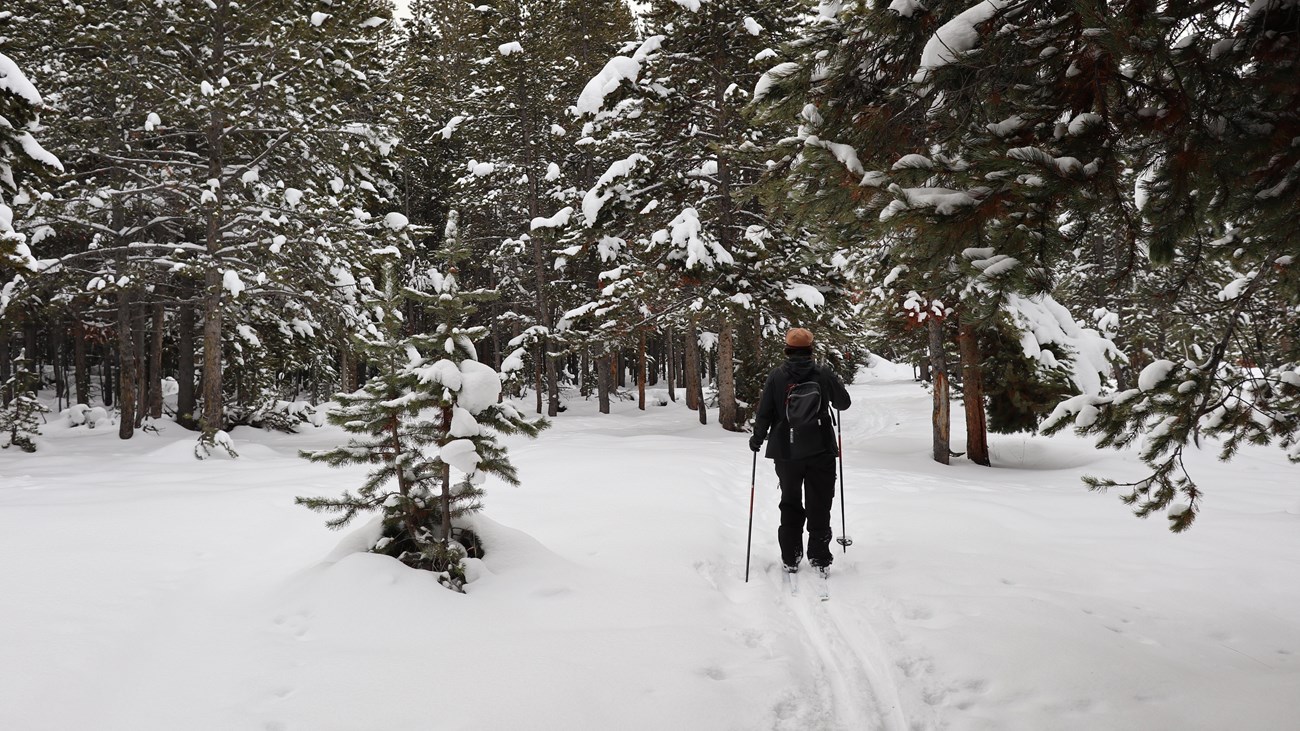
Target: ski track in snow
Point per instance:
(849, 684)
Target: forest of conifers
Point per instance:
(1083, 213)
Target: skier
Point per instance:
(805, 455)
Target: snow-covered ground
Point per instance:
(142, 590)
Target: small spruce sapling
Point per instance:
(430, 406)
(20, 416)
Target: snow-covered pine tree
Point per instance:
(953, 175)
(20, 409)
(20, 155)
(717, 258)
(430, 408)
(1221, 203)
(234, 181)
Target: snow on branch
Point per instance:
(559, 220)
(844, 153)
(945, 202)
(594, 200)
(617, 70)
(1043, 321)
(771, 76)
(955, 37)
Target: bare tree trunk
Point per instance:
(694, 389)
(728, 409)
(81, 376)
(125, 366)
(640, 371)
(939, 371)
(972, 388)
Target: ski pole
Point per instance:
(753, 478)
(844, 540)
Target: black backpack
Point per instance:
(803, 408)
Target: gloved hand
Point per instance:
(755, 443)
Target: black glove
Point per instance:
(755, 443)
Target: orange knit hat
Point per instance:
(799, 338)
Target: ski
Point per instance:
(823, 588)
(791, 582)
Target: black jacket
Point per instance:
(771, 409)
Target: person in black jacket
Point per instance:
(805, 461)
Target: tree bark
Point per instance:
(728, 409)
(972, 388)
(5, 396)
(156, 362)
(538, 353)
(213, 406)
(445, 498)
(694, 389)
(81, 375)
(640, 371)
(940, 416)
(185, 403)
(347, 368)
(125, 366)
(140, 361)
(603, 378)
(106, 386)
(670, 370)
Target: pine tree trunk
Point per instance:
(552, 383)
(5, 396)
(694, 389)
(60, 371)
(125, 366)
(691, 402)
(141, 365)
(537, 374)
(81, 375)
(670, 370)
(213, 418)
(33, 354)
(347, 368)
(156, 364)
(972, 387)
(106, 381)
(640, 371)
(940, 417)
(603, 378)
(728, 409)
(185, 404)
(446, 483)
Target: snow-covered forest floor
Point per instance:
(142, 590)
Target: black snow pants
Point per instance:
(807, 491)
